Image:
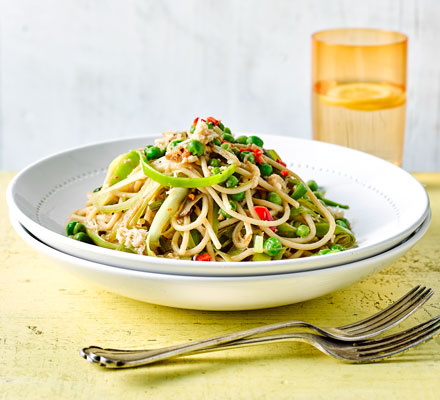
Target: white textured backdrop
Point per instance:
(78, 71)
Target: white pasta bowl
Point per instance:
(223, 293)
(386, 203)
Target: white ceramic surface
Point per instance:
(386, 203)
(223, 293)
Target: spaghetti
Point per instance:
(204, 194)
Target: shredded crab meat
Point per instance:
(337, 212)
(203, 134)
(134, 238)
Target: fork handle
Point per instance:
(114, 358)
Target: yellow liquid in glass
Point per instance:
(367, 116)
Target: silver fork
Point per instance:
(354, 352)
(364, 329)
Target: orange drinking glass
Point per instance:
(359, 90)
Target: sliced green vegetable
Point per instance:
(344, 222)
(296, 211)
(273, 154)
(99, 241)
(279, 256)
(233, 207)
(185, 182)
(286, 230)
(163, 216)
(330, 202)
(125, 205)
(261, 257)
(126, 165)
(155, 205)
(299, 191)
(195, 237)
(343, 236)
(258, 243)
(312, 185)
(215, 211)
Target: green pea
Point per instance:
(79, 228)
(302, 230)
(312, 185)
(274, 198)
(192, 129)
(195, 147)
(231, 182)
(216, 170)
(217, 141)
(323, 251)
(272, 246)
(236, 152)
(228, 138)
(233, 207)
(210, 125)
(214, 162)
(241, 139)
(299, 192)
(226, 130)
(266, 169)
(153, 152)
(226, 146)
(247, 156)
(255, 140)
(337, 247)
(83, 237)
(175, 143)
(70, 227)
(238, 196)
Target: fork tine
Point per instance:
(408, 297)
(395, 314)
(400, 349)
(400, 342)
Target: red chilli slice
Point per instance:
(281, 162)
(265, 215)
(213, 120)
(256, 152)
(203, 257)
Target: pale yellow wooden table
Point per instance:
(47, 315)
